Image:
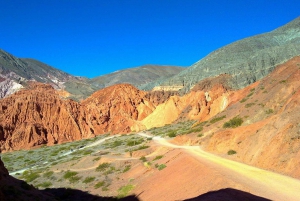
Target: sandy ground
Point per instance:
(212, 173)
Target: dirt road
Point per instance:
(261, 182)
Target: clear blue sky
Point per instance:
(95, 37)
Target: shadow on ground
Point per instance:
(78, 195)
(227, 194)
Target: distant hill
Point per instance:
(15, 72)
(139, 76)
(247, 60)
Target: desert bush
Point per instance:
(134, 142)
(74, 179)
(233, 123)
(48, 174)
(30, 176)
(249, 105)
(269, 111)
(141, 147)
(172, 134)
(143, 158)
(45, 184)
(127, 168)
(124, 190)
(158, 157)
(200, 135)
(216, 119)
(88, 180)
(161, 166)
(231, 152)
(99, 184)
(102, 167)
(69, 174)
(97, 159)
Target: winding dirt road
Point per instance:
(261, 182)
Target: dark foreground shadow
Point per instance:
(227, 194)
(78, 195)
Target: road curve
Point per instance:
(261, 182)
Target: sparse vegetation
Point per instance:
(243, 100)
(143, 158)
(30, 176)
(233, 123)
(216, 119)
(161, 166)
(99, 184)
(231, 152)
(172, 134)
(48, 174)
(283, 81)
(45, 184)
(127, 168)
(69, 174)
(102, 167)
(158, 157)
(200, 135)
(269, 111)
(88, 180)
(249, 105)
(125, 190)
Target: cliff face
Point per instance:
(37, 115)
(118, 108)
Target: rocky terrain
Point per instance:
(247, 60)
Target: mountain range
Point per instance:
(240, 102)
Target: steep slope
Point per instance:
(247, 60)
(139, 76)
(270, 133)
(37, 115)
(119, 107)
(15, 72)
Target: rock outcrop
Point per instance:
(37, 115)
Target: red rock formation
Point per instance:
(37, 115)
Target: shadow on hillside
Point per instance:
(227, 194)
(78, 195)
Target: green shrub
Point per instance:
(161, 166)
(48, 174)
(102, 167)
(69, 174)
(45, 184)
(269, 111)
(97, 159)
(141, 147)
(216, 119)
(143, 158)
(127, 168)
(99, 184)
(200, 135)
(249, 105)
(30, 176)
(134, 142)
(231, 152)
(233, 123)
(243, 100)
(172, 134)
(124, 190)
(74, 179)
(158, 157)
(88, 180)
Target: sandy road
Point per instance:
(261, 182)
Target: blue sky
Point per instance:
(94, 37)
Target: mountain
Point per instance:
(15, 72)
(139, 76)
(246, 60)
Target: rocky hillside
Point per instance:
(37, 115)
(15, 72)
(269, 112)
(247, 60)
(140, 76)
